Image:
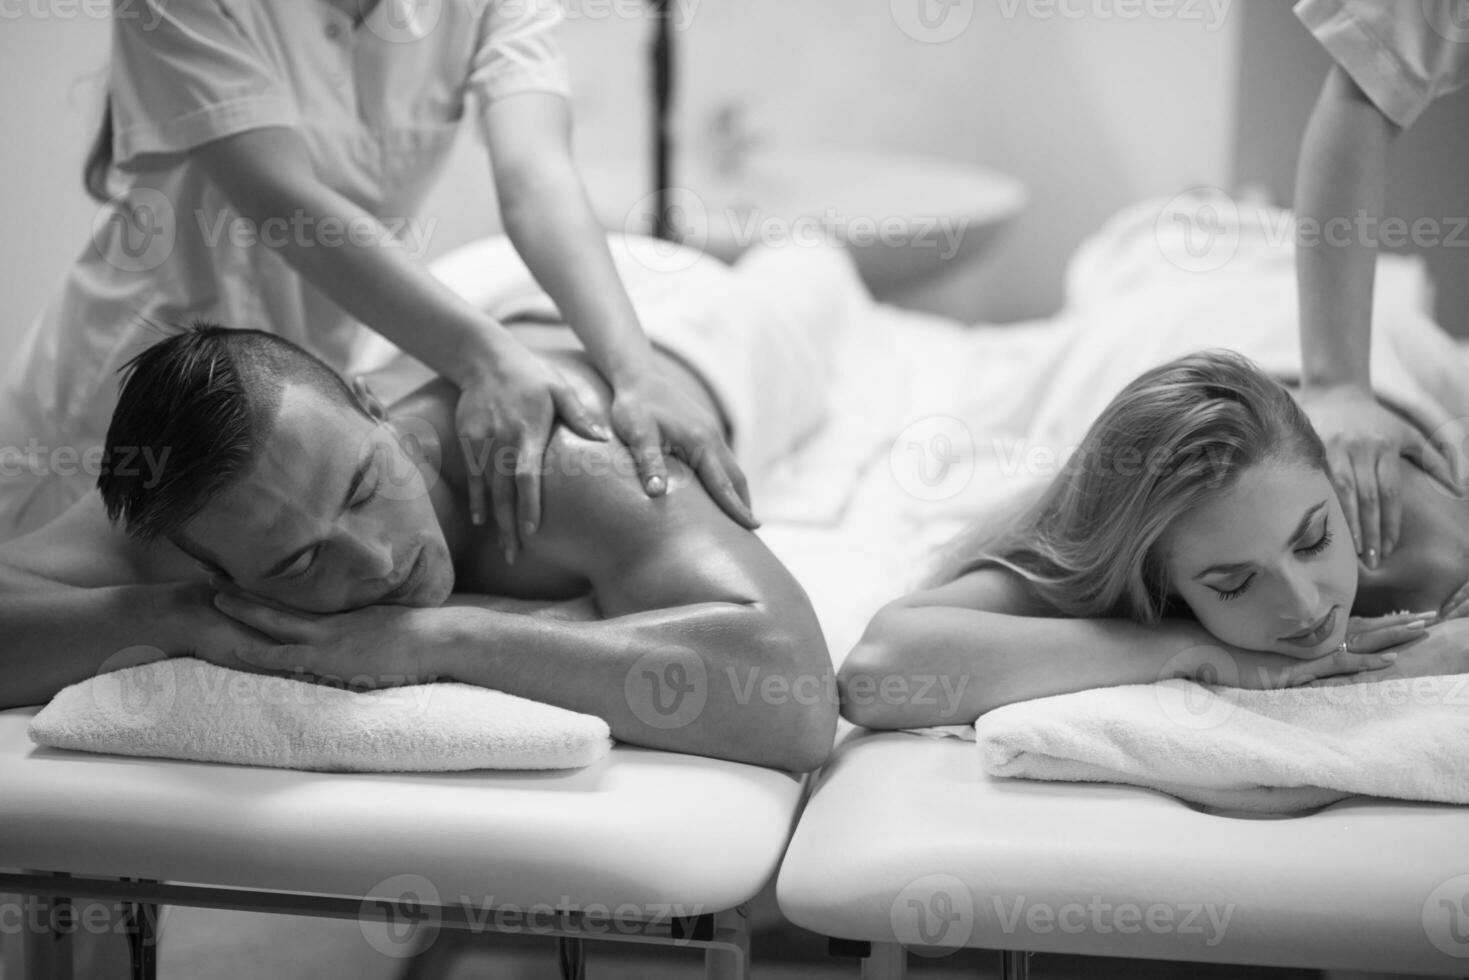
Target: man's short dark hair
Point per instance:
(197, 405)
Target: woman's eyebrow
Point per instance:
(1296, 535)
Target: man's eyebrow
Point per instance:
(358, 475)
(1295, 536)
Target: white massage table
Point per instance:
(905, 841)
(644, 846)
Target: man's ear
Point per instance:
(370, 403)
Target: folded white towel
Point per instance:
(1279, 751)
(187, 709)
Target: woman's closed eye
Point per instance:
(1322, 542)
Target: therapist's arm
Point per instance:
(1341, 189)
(947, 655)
(509, 397)
(550, 220)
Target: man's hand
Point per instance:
(649, 413)
(372, 647)
(1365, 444)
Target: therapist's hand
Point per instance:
(371, 647)
(651, 413)
(1365, 444)
(505, 414)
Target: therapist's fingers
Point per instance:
(528, 467)
(644, 440)
(1364, 475)
(1443, 457)
(574, 412)
(502, 501)
(1457, 605)
(1344, 481)
(1390, 492)
(725, 482)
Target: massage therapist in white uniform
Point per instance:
(254, 156)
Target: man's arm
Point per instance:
(78, 598)
(709, 646)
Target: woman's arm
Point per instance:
(948, 655)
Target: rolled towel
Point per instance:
(184, 708)
(1266, 752)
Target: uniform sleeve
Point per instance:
(185, 72)
(1402, 54)
(518, 52)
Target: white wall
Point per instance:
(1092, 112)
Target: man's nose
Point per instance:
(372, 557)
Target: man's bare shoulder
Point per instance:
(82, 548)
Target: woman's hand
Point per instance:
(1365, 444)
(651, 413)
(1443, 649)
(1372, 646)
(505, 414)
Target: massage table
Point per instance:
(644, 846)
(906, 842)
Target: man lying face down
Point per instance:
(273, 518)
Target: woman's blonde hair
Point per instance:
(1172, 439)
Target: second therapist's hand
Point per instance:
(1365, 444)
(650, 414)
(505, 414)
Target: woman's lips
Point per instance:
(1317, 633)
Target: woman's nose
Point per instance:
(1300, 598)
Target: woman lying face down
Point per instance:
(1196, 520)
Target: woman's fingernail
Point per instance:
(1389, 657)
(510, 554)
(528, 528)
(478, 519)
(601, 433)
(1417, 624)
(655, 484)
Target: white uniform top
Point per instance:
(1402, 53)
(378, 106)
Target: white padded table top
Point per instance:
(643, 827)
(906, 839)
